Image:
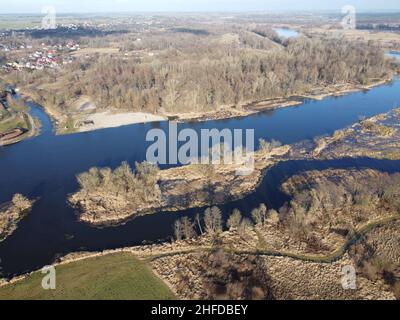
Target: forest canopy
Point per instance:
(202, 75)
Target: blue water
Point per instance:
(393, 54)
(45, 167)
(287, 33)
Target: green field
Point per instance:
(118, 276)
(17, 22)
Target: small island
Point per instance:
(111, 197)
(11, 213)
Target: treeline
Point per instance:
(211, 223)
(211, 75)
(321, 203)
(229, 78)
(267, 32)
(378, 27)
(337, 202)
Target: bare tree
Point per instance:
(273, 216)
(188, 228)
(197, 219)
(184, 229)
(139, 186)
(205, 76)
(260, 215)
(245, 227)
(213, 220)
(20, 202)
(234, 220)
(178, 230)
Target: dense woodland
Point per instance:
(197, 71)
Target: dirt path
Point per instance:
(330, 258)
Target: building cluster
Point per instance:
(14, 47)
(43, 57)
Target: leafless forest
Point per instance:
(190, 69)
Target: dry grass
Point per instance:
(91, 51)
(369, 126)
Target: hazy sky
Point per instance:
(35, 6)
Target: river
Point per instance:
(287, 33)
(45, 167)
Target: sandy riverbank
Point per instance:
(111, 120)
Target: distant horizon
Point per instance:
(387, 11)
(196, 6)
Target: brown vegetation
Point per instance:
(300, 242)
(219, 275)
(369, 126)
(377, 256)
(11, 213)
(197, 73)
(116, 193)
(376, 137)
(326, 209)
(328, 206)
(197, 185)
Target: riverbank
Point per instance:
(254, 107)
(318, 276)
(108, 119)
(75, 122)
(376, 137)
(197, 186)
(200, 186)
(16, 124)
(12, 213)
(325, 242)
(18, 135)
(324, 228)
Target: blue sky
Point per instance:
(35, 6)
